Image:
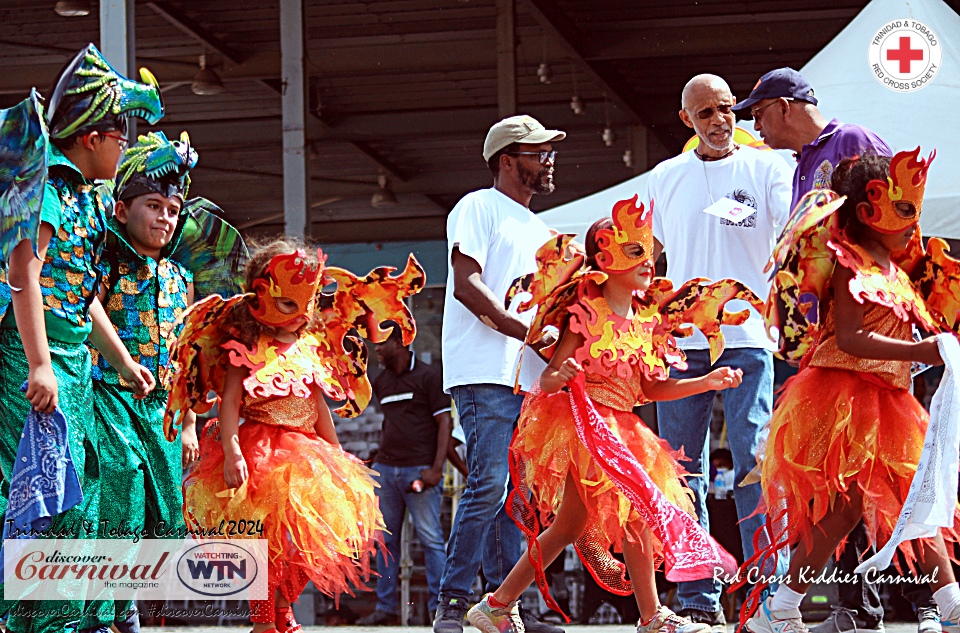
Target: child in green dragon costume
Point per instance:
(52, 232)
(162, 252)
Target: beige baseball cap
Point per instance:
(518, 129)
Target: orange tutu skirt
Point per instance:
(316, 503)
(834, 428)
(547, 446)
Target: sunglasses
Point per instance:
(707, 113)
(543, 155)
(123, 141)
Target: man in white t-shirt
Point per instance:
(492, 240)
(717, 211)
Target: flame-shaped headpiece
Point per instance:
(895, 203)
(289, 289)
(629, 242)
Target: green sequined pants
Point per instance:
(71, 366)
(141, 471)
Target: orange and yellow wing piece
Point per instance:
(551, 289)
(800, 269)
(892, 289)
(616, 346)
(196, 363)
(702, 304)
(363, 303)
(935, 276)
(940, 283)
(815, 207)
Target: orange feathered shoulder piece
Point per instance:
(552, 288)
(890, 288)
(285, 369)
(618, 346)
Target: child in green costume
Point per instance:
(156, 241)
(51, 238)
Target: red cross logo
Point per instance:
(905, 55)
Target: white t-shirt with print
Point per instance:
(698, 244)
(503, 237)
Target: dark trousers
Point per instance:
(864, 597)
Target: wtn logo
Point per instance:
(224, 568)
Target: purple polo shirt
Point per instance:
(836, 142)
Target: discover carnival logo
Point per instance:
(112, 569)
(905, 55)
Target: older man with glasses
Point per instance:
(716, 213)
(784, 112)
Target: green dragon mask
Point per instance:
(156, 165)
(90, 93)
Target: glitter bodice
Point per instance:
(291, 412)
(876, 318)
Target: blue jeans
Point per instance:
(483, 532)
(395, 499)
(686, 424)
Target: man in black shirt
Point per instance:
(413, 447)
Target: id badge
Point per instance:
(730, 210)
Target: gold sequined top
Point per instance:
(876, 318)
(622, 394)
(291, 412)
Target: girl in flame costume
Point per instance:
(580, 454)
(271, 356)
(846, 436)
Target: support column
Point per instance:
(641, 157)
(118, 36)
(118, 43)
(296, 176)
(506, 57)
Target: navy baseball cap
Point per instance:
(782, 82)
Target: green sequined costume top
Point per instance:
(71, 270)
(144, 301)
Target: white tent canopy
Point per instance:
(847, 90)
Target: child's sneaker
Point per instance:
(666, 621)
(491, 619)
(929, 620)
(767, 621)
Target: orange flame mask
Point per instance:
(895, 203)
(289, 278)
(629, 242)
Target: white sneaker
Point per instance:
(490, 619)
(786, 621)
(929, 620)
(950, 622)
(666, 621)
